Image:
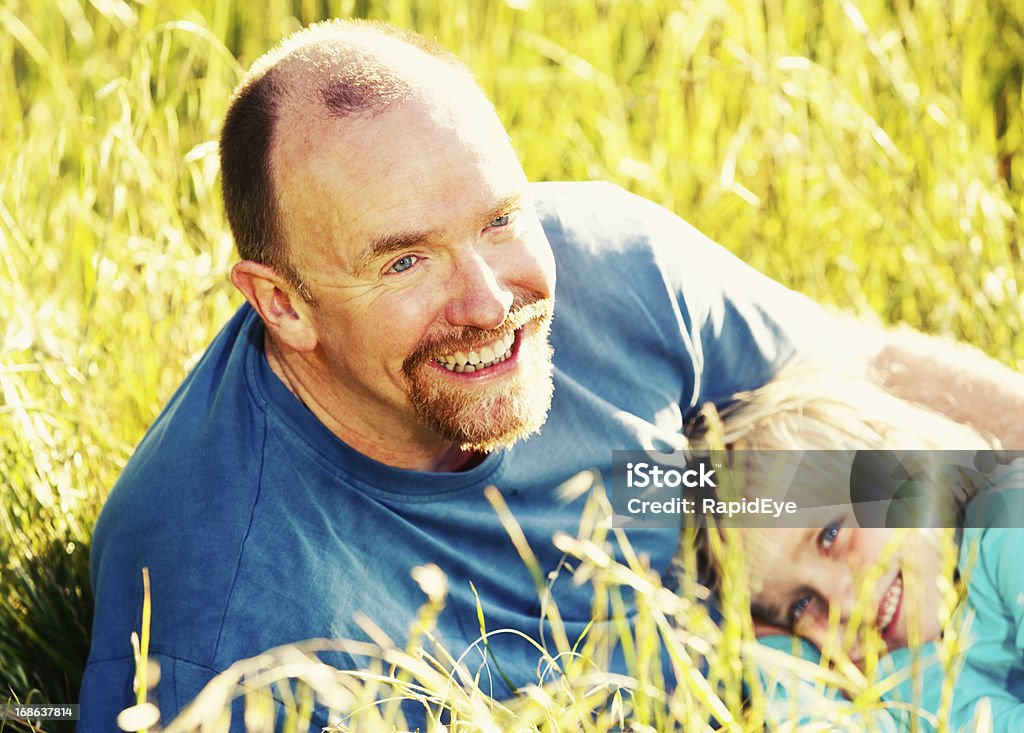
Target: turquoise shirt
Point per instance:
(992, 558)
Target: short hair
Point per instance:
(356, 79)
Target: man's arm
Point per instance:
(952, 378)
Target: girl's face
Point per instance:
(885, 579)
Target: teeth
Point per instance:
(486, 356)
(890, 603)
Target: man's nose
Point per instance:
(478, 296)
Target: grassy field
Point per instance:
(868, 153)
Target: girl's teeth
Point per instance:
(890, 603)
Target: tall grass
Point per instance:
(673, 635)
(868, 153)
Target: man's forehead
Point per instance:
(427, 134)
(380, 185)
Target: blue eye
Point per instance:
(403, 264)
(501, 221)
(828, 536)
(798, 608)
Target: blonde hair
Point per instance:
(816, 407)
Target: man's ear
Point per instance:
(286, 315)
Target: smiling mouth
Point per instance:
(889, 607)
(463, 362)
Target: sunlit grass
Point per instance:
(867, 153)
(722, 671)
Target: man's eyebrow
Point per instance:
(387, 244)
(504, 206)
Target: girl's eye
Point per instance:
(828, 536)
(798, 608)
(404, 263)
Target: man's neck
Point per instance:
(420, 450)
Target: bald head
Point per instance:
(332, 70)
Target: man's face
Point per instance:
(887, 578)
(432, 277)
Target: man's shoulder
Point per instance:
(181, 509)
(614, 228)
(207, 431)
(568, 209)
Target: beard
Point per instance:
(478, 417)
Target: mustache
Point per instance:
(468, 338)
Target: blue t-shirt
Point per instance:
(259, 527)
